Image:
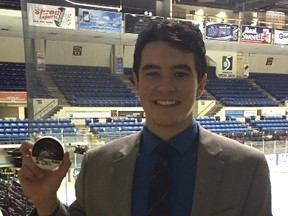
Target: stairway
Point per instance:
(214, 110)
(263, 91)
(126, 79)
(46, 78)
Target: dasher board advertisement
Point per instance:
(281, 36)
(221, 31)
(100, 21)
(51, 16)
(256, 34)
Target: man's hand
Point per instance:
(40, 185)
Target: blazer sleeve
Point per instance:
(258, 201)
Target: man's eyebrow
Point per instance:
(182, 67)
(150, 66)
(178, 66)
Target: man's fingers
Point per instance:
(65, 165)
(26, 147)
(30, 167)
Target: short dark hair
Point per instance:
(184, 36)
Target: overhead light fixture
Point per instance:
(221, 14)
(95, 6)
(148, 13)
(199, 12)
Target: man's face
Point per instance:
(167, 86)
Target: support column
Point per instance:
(117, 54)
(164, 8)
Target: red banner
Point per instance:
(13, 95)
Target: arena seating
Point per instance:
(270, 125)
(115, 128)
(13, 202)
(13, 78)
(275, 84)
(92, 86)
(121, 127)
(15, 131)
(238, 92)
(97, 87)
(224, 127)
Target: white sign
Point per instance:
(273, 112)
(280, 36)
(249, 113)
(51, 16)
(89, 114)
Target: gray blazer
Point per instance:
(232, 179)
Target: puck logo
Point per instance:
(47, 153)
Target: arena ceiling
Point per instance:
(11, 26)
(236, 5)
(240, 5)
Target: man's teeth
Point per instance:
(165, 102)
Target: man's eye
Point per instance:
(181, 74)
(152, 74)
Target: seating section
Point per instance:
(92, 86)
(97, 87)
(12, 76)
(112, 129)
(275, 84)
(37, 88)
(224, 127)
(271, 125)
(15, 131)
(238, 92)
(52, 126)
(12, 199)
(120, 127)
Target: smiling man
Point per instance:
(173, 167)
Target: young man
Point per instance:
(211, 174)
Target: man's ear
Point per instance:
(201, 85)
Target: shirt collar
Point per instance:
(180, 142)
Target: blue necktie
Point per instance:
(159, 200)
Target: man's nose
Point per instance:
(166, 84)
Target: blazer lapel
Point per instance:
(123, 171)
(208, 174)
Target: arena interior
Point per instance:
(66, 72)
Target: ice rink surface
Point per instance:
(279, 182)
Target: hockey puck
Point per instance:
(48, 152)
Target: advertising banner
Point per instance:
(281, 36)
(256, 34)
(249, 113)
(119, 65)
(136, 23)
(221, 31)
(227, 68)
(13, 96)
(234, 113)
(100, 21)
(51, 16)
(246, 70)
(40, 61)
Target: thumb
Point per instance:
(65, 165)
